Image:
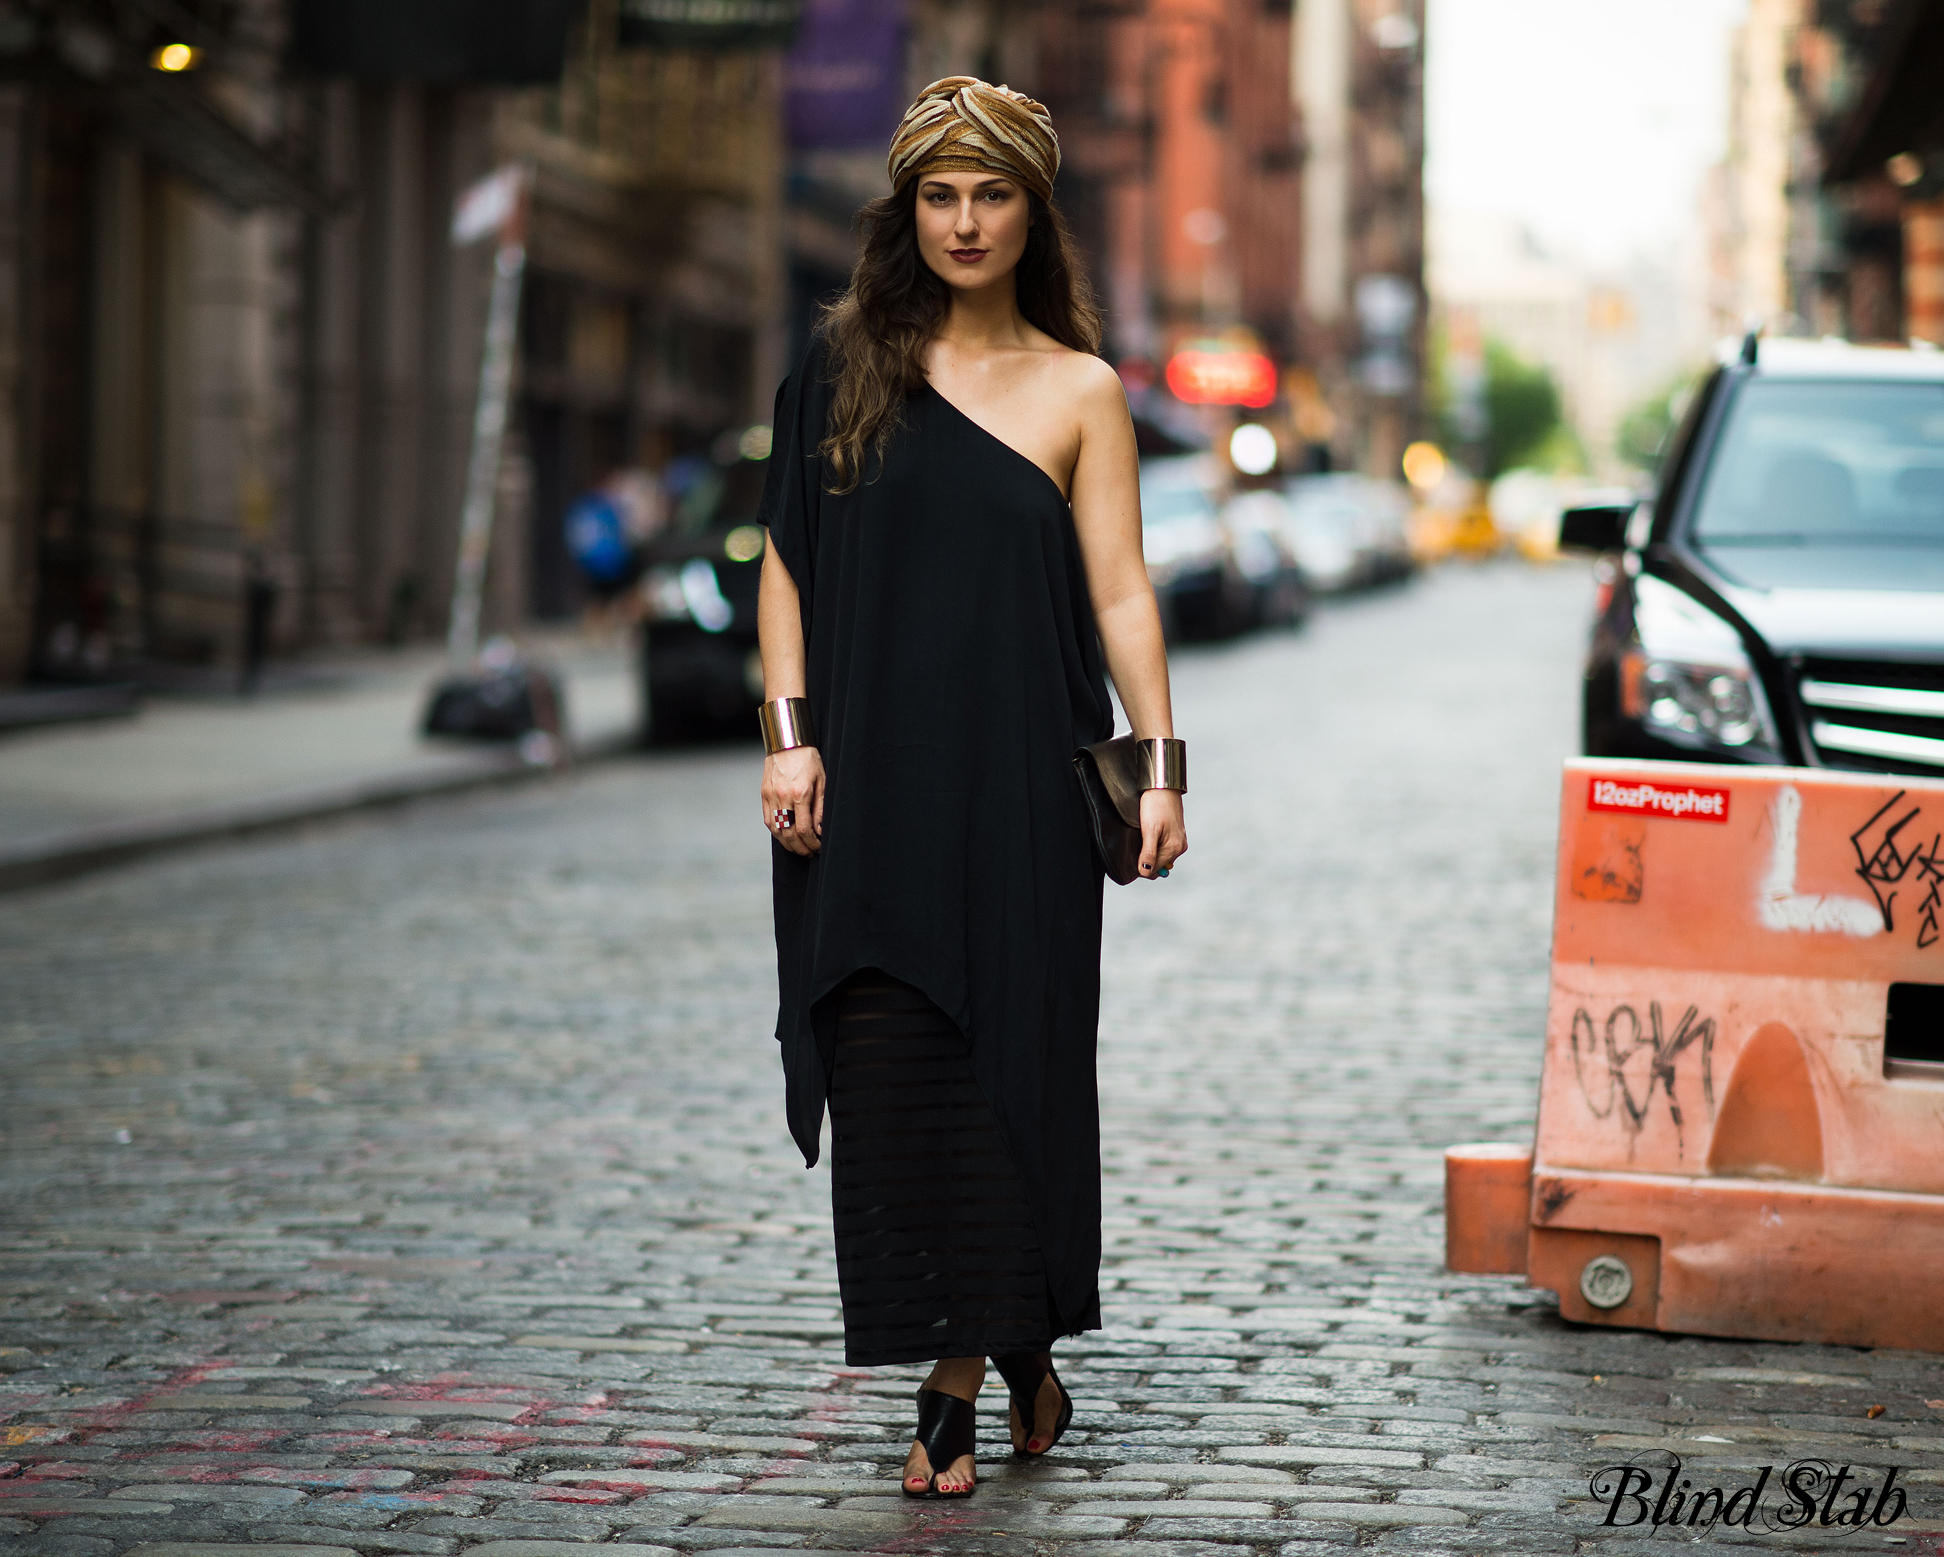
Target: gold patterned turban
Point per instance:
(963, 124)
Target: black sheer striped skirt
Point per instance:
(936, 1251)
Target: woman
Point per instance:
(955, 537)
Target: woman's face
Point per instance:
(971, 227)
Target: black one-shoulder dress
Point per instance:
(939, 962)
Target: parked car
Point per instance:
(701, 672)
(1349, 531)
(1200, 585)
(1322, 535)
(1257, 523)
(1386, 535)
(1781, 600)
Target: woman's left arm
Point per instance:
(1107, 518)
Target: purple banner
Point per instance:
(845, 76)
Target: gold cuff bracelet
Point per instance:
(1166, 760)
(786, 724)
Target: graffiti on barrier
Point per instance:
(1890, 846)
(1612, 1057)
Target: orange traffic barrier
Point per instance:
(1487, 1190)
(1741, 1112)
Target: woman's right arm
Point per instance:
(1107, 520)
(792, 780)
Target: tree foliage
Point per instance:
(1521, 409)
(1521, 416)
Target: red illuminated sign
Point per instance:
(1222, 377)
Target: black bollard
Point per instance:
(259, 607)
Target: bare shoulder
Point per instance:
(1086, 384)
(1088, 377)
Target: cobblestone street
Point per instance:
(420, 1183)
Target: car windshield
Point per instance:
(1828, 485)
(717, 497)
(1168, 504)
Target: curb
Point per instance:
(62, 856)
(37, 707)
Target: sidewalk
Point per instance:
(76, 797)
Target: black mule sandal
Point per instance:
(1024, 1373)
(948, 1429)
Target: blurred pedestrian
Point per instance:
(954, 513)
(607, 532)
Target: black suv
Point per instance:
(1781, 599)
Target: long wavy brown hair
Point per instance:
(875, 335)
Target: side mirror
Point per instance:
(1595, 527)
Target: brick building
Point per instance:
(1827, 216)
(1179, 135)
(1235, 165)
(1880, 143)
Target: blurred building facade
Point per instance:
(1610, 335)
(1871, 82)
(1255, 169)
(1192, 135)
(1358, 78)
(853, 68)
(1178, 130)
(1746, 202)
(239, 354)
(1827, 214)
(656, 312)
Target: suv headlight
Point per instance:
(690, 593)
(1705, 700)
(704, 595)
(1688, 675)
(662, 597)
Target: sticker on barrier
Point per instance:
(1646, 798)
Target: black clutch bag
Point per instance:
(1112, 776)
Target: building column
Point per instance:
(450, 156)
(1190, 163)
(1923, 271)
(121, 411)
(769, 244)
(393, 587)
(219, 421)
(17, 558)
(1320, 75)
(327, 539)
